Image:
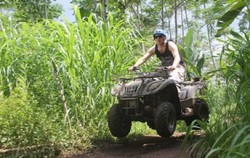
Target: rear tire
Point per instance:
(201, 111)
(165, 119)
(119, 124)
(151, 124)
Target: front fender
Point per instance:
(166, 90)
(156, 86)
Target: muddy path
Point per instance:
(151, 146)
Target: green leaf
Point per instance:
(237, 35)
(189, 38)
(200, 64)
(234, 10)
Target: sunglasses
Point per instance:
(160, 36)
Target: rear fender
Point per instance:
(190, 91)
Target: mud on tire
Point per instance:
(165, 119)
(119, 124)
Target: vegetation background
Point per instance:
(56, 76)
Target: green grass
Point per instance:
(65, 104)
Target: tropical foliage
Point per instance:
(32, 10)
(55, 77)
(227, 134)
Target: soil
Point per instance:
(150, 146)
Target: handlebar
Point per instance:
(135, 68)
(162, 68)
(160, 72)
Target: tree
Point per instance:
(88, 6)
(105, 9)
(32, 10)
(119, 8)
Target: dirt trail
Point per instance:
(151, 146)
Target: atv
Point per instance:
(158, 100)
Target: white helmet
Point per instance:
(159, 32)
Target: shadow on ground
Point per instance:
(151, 146)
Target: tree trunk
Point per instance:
(169, 28)
(162, 14)
(209, 42)
(105, 10)
(175, 19)
(46, 9)
(182, 25)
(186, 15)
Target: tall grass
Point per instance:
(227, 134)
(86, 55)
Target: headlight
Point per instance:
(115, 90)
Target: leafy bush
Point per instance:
(227, 134)
(23, 124)
(55, 79)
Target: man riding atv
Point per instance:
(158, 98)
(167, 52)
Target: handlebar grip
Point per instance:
(135, 68)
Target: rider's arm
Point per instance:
(144, 58)
(174, 49)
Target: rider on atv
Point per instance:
(167, 52)
(158, 98)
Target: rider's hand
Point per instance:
(132, 68)
(171, 67)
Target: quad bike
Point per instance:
(156, 99)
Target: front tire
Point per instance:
(119, 124)
(165, 119)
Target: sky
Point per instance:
(67, 7)
(68, 12)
